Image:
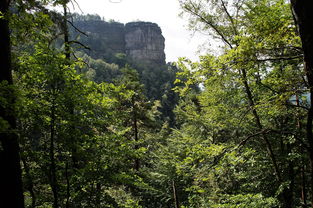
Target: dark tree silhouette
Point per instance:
(303, 16)
(11, 193)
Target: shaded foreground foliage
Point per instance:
(98, 134)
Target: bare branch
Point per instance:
(243, 142)
(229, 17)
(77, 5)
(204, 20)
(79, 43)
(297, 106)
(78, 30)
(81, 60)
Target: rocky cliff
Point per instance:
(144, 42)
(141, 42)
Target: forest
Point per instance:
(84, 128)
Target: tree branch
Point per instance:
(79, 43)
(78, 30)
(243, 142)
(280, 58)
(229, 17)
(204, 20)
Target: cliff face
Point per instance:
(142, 42)
(105, 39)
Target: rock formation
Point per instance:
(141, 42)
(144, 42)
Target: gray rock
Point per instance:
(142, 42)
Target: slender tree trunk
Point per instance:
(11, 191)
(135, 125)
(259, 125)
(137, 161)
(286, 192)
(303, 15)
(67, 203)
(303, 184)
(53, 178)
(72, 139)
(303, 162)
(67, 52)
(66, 33)
(289, 195)
(176, 202)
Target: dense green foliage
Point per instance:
(99, 130)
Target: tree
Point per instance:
(10, 178)
(139, 112)
(260, 56)
(302, 11)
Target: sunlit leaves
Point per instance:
(255, 84)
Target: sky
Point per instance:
(179, 42)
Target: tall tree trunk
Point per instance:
(303, 14)
(176, 202)
(135, 125)
(68, 194)
(259, 124)
(289, 195)
(286, 192)
(137, 161)
(66, 33)
(303, 161)
(11, 191)
(72, 139)
(53, 177)
(67, 52)
(303, 183)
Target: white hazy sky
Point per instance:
(179, 42)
